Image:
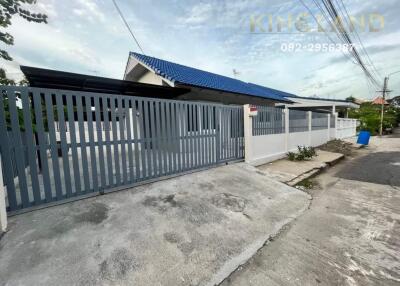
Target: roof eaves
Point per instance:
(321, 99)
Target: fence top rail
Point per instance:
(319, 115)
(109, 95)
(347, 119)
(269, 107)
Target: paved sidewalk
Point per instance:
(292, 172)
(190, 230)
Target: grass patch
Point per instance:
(307, 184)
(304, 153)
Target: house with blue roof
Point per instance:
(203, 85)
(211, 87)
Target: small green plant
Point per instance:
(291, 156)
(307, 184)
(308, 152)
(304, 153)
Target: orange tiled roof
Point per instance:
(379, 100)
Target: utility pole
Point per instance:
(385, 83)
(384, 92)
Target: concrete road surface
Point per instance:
(191, 230)
(350, 235)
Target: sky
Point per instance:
(89, 37)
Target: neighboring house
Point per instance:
(321, 104)
(208, 86)
(379, 101)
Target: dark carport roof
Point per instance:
(54, 79)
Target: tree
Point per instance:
(8, 9)
(351, 99)
(369, 116)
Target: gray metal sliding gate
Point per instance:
(77, 143)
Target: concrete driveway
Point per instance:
(191, 230)
(350, 235)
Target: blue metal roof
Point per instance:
(271, 90)
(186, 75)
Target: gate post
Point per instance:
(248, 132)
(309, 127)
(3, 213)
(286, 112)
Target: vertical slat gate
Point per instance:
(62, 144)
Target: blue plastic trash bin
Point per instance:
(363, 138)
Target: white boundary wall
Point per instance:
(267, 148)
(262, 149)
(346, 127)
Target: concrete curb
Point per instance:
(313, 172)
(236, 263)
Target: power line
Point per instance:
(358, 37)
(127, 25)
(326, 34)
(341, 33)
(346, 37)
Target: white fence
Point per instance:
(291, 128)
(346, 127)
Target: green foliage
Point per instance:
(32, 114)
(351, 99)
(307, 184)
(3, 78)
(304, 153)
(8, 9)
(370, 117)
(8, 115)
(291, 156)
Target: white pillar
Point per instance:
(3, 213)
(336, 123)
(248, 133)
(287, 110)
(309, 126)
(329, 127)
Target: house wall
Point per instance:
(150, 78)
(214, 96)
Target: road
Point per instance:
(349, 236)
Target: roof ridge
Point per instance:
(181, 65)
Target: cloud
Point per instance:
(89, 10)
(199, 14)
(47, 7)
